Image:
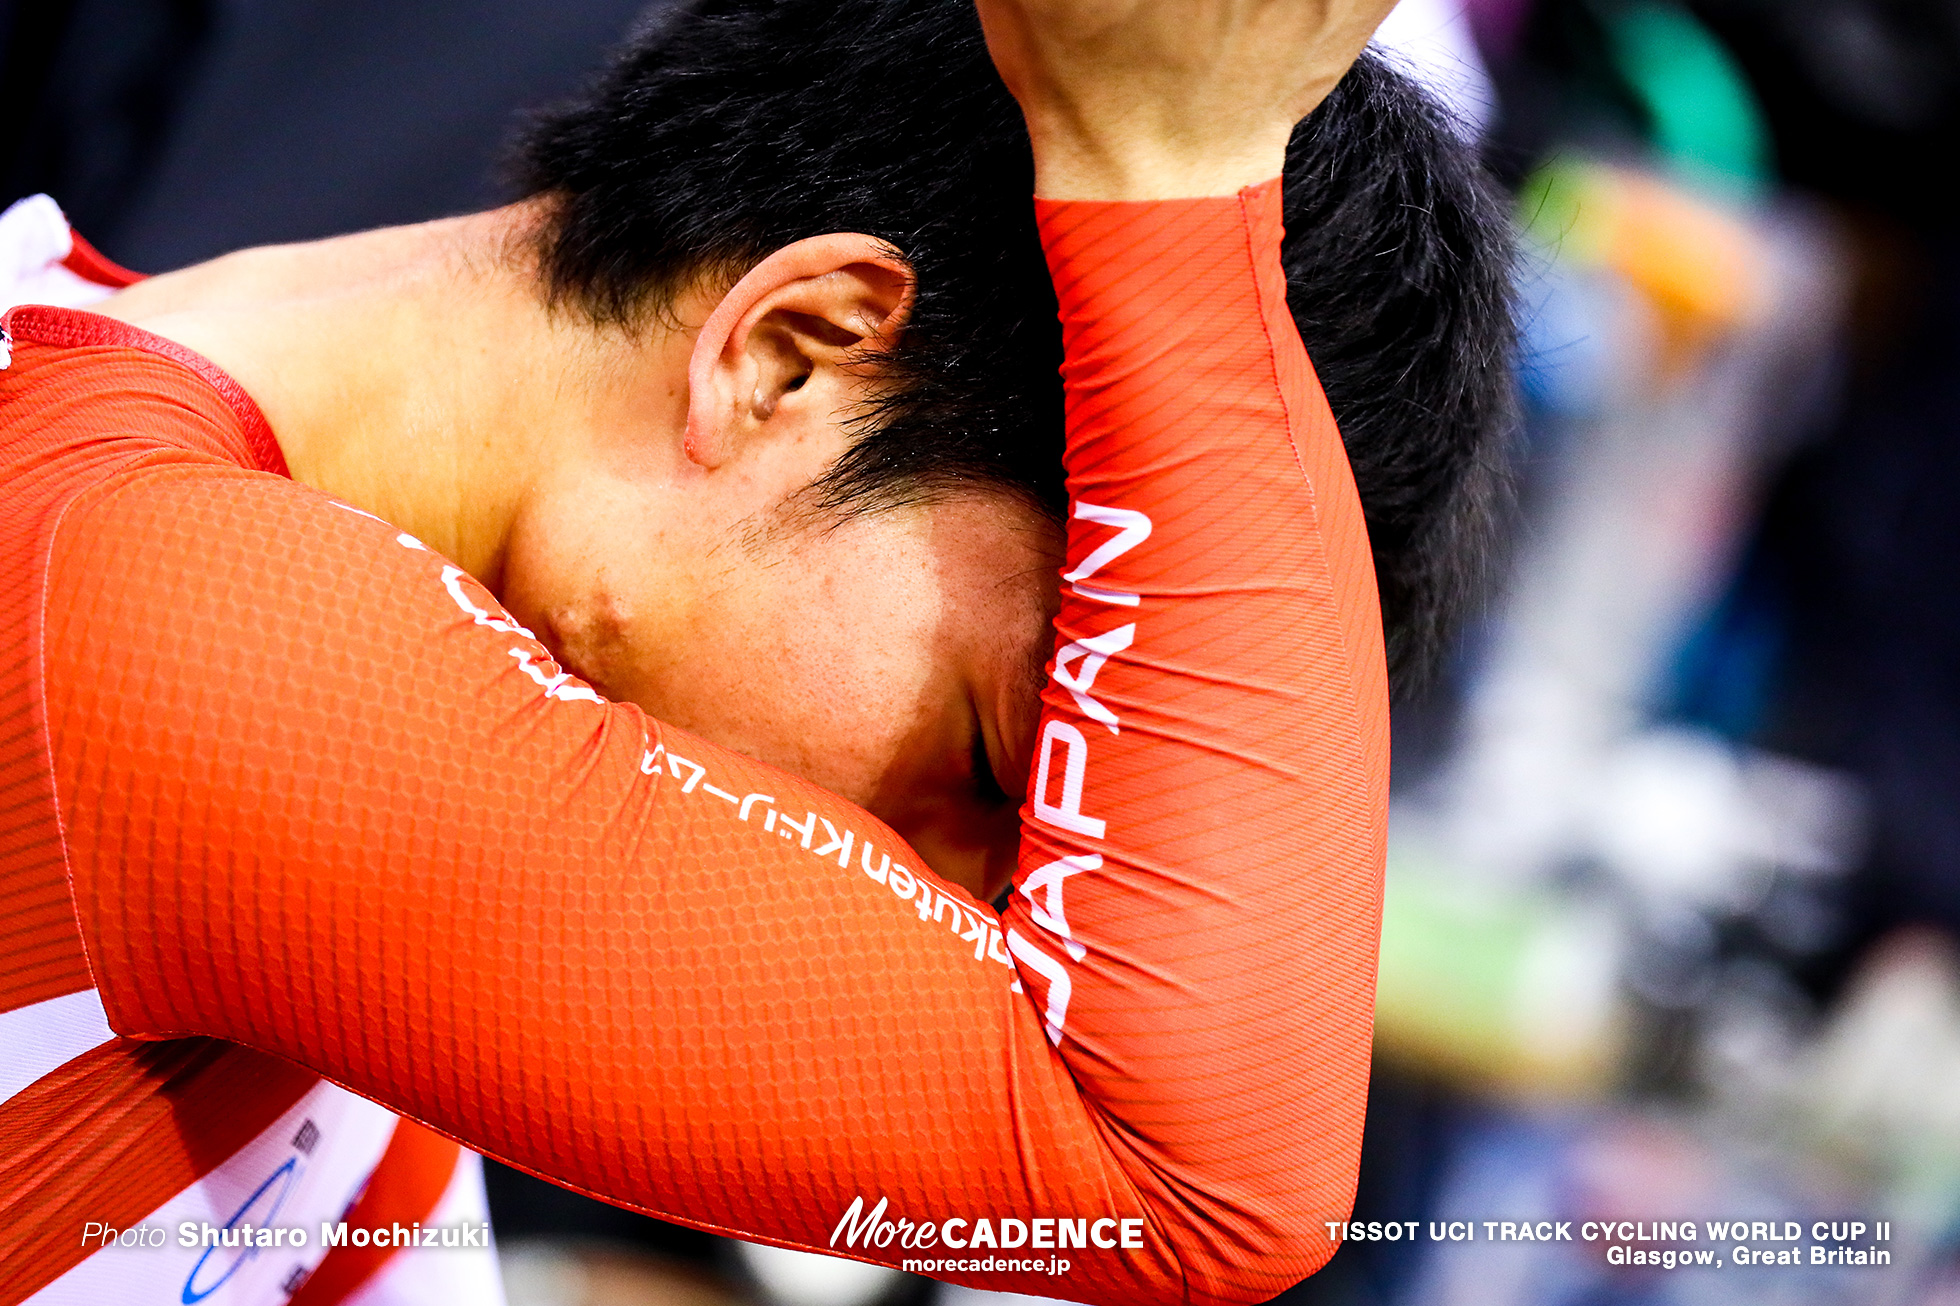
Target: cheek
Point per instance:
(827, 668)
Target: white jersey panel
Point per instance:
(45, 1035)
(34, 239)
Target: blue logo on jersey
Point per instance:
(286, 1173)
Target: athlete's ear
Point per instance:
(808, 311)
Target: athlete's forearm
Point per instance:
(1219, 873)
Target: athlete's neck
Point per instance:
(416, 372)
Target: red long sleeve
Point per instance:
(321, 797)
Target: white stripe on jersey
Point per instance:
(452, 1276)
(310, 1175)
(307, 1167)
(35, 1039)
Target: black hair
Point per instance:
(1399, 260)
(726, 129)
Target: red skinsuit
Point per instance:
(276, 774)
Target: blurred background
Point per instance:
(1674, 879)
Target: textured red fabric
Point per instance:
(90, 263)
(321, 797)
(113, 1134)
(68, 418)
(117, 1131)
(54, 326)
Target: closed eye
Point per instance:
(986, 786)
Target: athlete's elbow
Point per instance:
(1300, 1254)
(1253, 1258)
(1316, 1238)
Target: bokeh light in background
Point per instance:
(1675, 859)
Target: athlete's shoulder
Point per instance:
(73, 380)
(79, 388)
